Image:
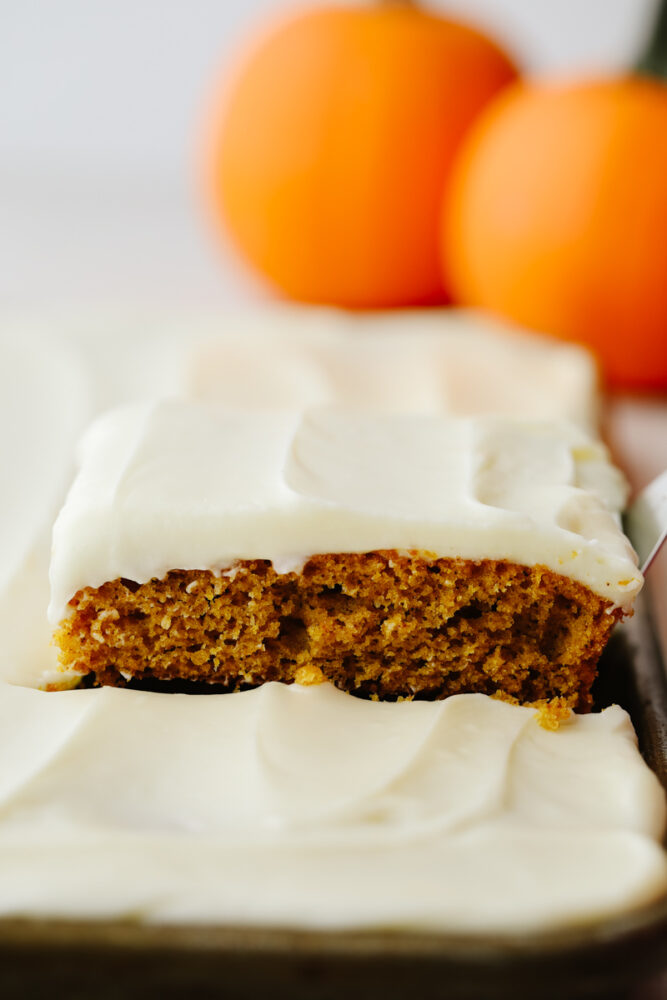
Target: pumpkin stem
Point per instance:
(653, 61)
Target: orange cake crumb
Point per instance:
(379, 624)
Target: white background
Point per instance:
(101, 105)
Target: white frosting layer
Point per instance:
(176, 485)
(288, 806)
(44, 404)
(419, 361)
(306, 807)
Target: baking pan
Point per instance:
(609, 959)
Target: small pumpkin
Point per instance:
(331, 144)
(557, 218)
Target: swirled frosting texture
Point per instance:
(183, 485)
(307, 807)
(454, 361)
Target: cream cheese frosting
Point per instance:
(184, 485)
(452, 361)
(44, 403)
(45, 406)
(321, 810)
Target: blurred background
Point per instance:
(102, 106)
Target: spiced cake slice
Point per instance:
(395, 555)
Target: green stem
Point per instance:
(653, 61)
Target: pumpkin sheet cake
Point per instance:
(395, 555)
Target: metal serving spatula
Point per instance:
(645, 521)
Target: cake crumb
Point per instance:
(551, 714)
(308, 675)
(97, 626)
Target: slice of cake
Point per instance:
(395, 555)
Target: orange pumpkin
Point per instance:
(332, 142)
(557, 217)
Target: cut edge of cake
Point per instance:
(387, 624)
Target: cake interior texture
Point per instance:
(380, 624)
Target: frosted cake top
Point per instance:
(184, 485)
